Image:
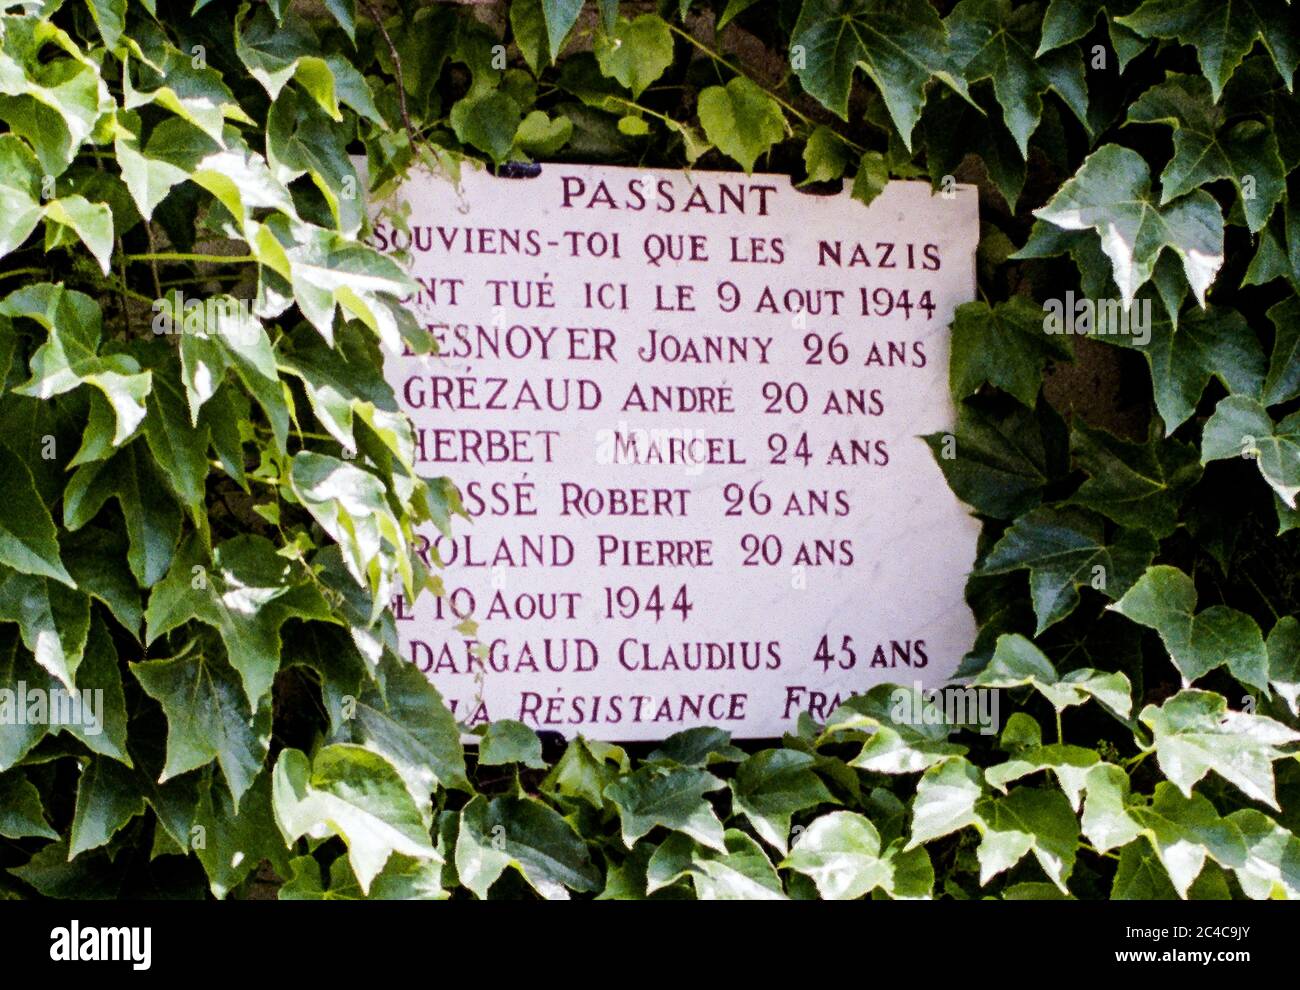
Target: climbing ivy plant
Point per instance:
(208, 497)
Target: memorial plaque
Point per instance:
(684, 411)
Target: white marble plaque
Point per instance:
(684, 410)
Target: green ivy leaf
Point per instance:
(771, 786)
(528, 836)
(53, 621)
(1194, 732)
(636, 52)
(1241, 427)
(246, 594)
(208, 717)
(825, 155)
(945, 800)
(841, 852)
(508, 741)
(907, 732)
(1018, 662)
(871, 177)
(1164, 599)
(741, 120)
(70, 356)
(106, 800)
(999, 463)
(1138, 485)
(1206, 148)
(28, 540)
(1067, 21)
(1222, 33)
(488, 122)
(900, 46)
(1283, 645)
(671, 797)
(1004, 345)
(1028, 820)
(1283, 381)
(21, 813)
(355, 794)
(153, 520)
(1111, 194)
(1066, 549)
(990, 40)
(1071, 766)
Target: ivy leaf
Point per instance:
(153, 520)
(1271, 868)
(527, 835)
(543, 136)
(945, 800)
(206, 356)
(871, 177)
(28, 540)
(246, 595)
(107, 799)
(179, 448)
(1222, 33)
(351, 506)
(825, 155)
(698, 747)
(92, 222)
(990, 40)
(741, 120)
(20, 192)
(17, 669)
(1164, 599)
(1283, 381)
(1066, 549)
(1283, 647)
(355, 794)
(1004, 345)
(773, 784)
(1028, 820)
(488, 122)
(907, 732)
(999, 463)
(53, 621)
(1067, 21)
(1214, 343)
(1018, 662)
(671, 797)
(301, 139)
(1111, 194)
(955, 127)
(560, 16)
(636, 52)
(21, 814)
(1071, 766)
(509, 741)
(900, 46)
(50, 93)
(584, 770)
(105, 732)
(743, 874)
(173, 151)
(1241, 427)
(192, 92)
(236, 838)
(69, 357)
(1194, 732)
(408, 724)
(841, 852)
(208, 717)
(1106, 821)
(1183, 831)
(1207, 149)
(1139, 485)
